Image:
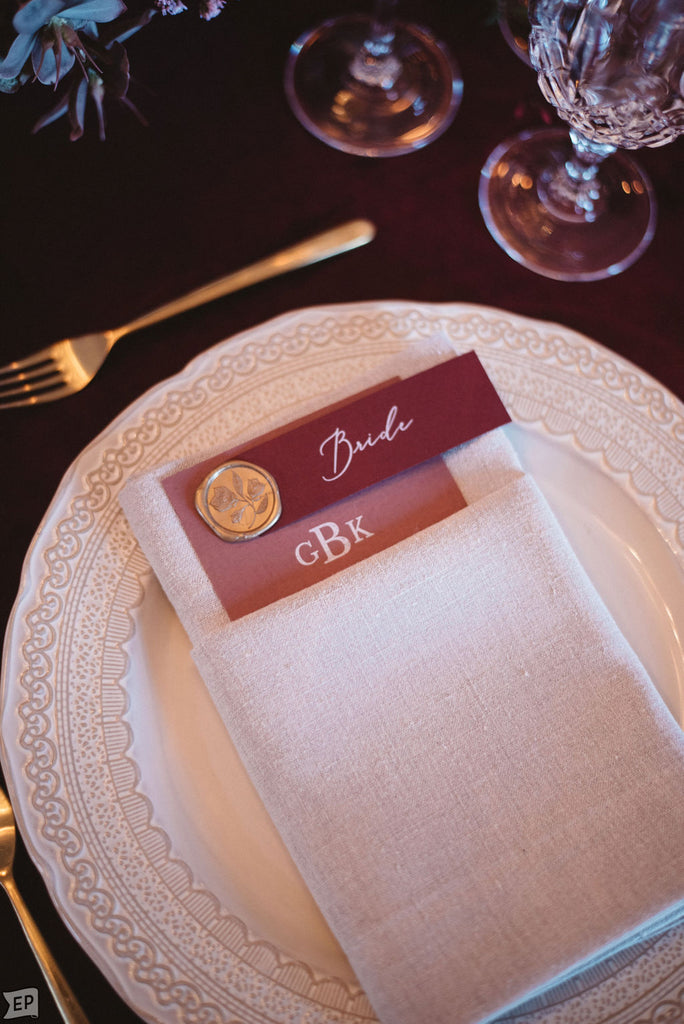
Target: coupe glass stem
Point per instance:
(382, 31)
(572, 190)
(375, 63)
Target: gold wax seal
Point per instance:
(239, 501)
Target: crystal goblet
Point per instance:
(575, 207)
(371, 84)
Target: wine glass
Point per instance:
(573, 206)
(373, 85)
(514, 23)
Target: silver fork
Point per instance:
(65, 367)
(65, 999)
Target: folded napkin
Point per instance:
(476, 778)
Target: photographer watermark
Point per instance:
(22, 1003)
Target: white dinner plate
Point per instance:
(130, 797)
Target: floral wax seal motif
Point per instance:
(239, 501)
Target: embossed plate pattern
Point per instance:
(130, 796)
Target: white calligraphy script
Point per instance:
(341, 450)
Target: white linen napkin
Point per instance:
(473, 772)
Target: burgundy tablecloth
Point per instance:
(93, 233)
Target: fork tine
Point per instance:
(47, 377)
(29, 394)
(26, 365)
(47, 368)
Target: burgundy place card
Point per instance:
(353, 480)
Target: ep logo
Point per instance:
(22, 1003)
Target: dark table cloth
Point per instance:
(93, 233)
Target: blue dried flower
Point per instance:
(108, 75)
(75, 46)
(48, 37)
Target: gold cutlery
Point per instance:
(65, 367)
(65, 999)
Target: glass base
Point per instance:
(555, 241)
(377, 106)
(515, 26)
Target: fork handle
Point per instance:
(331, 243)
(65, 999)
